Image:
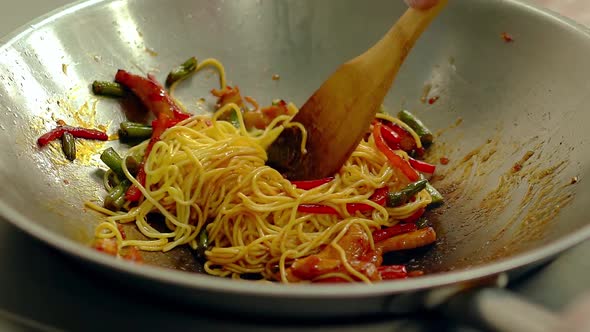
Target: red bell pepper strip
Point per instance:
(422, 166)
(390, 272)
(415, 216)
(407, 141)
(317, 209)
(386, 233)
(394, 159)
(77, 132)
(379, 197)
(159, 102)
(310, 184)
(392, 138)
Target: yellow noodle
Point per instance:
(204, 173)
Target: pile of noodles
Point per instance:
(205, 172)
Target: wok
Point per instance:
(497, 101)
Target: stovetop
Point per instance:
(42, 289)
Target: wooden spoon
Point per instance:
(339, 113)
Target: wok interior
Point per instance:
(497, 101)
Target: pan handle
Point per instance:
(488, 305)
(498, 309)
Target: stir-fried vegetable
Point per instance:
(411, 120)
(68, 146)
(403, 196)
(134, 131)
(108, 89)
(416, 239)
(386, 233)
(77, 132)
(112, 159)
(157, 100)
(395, 160)
(181, 72)
(115, 199)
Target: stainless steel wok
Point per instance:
(498, 101)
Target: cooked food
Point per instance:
(203, 181)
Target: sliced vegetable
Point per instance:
(379, 197)
(108, 89)
(394, 159)
(407, 141)
(415, 239)
(391, 272)
(112, 159)
(391, 137)
(403, 196)
(182, 71)
(386, 233)
(78, 132)
(415, 216)
(437, 197)
(411, 120)
(159, 102)
(310, 184)
(68, 146)
(317, 209)
(202, 242)
(133, 130)
(422, 166)
(132, 165)
(115, 199)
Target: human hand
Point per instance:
(421, 4)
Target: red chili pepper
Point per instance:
(392, 138)
(133, 194)
(317, 209)
(422, 166)
(159, 102)
(386, 233)
(415, 216)
(77, 132)
(394, 159)
(390, 272)
(310, 184)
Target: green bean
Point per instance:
(116, 198)
(202, 242)
(182, 71)
(109, 89)
(132, 130)
(411, 120)
(403, 196)
(68, 146)
(112, 159)
(234, 120)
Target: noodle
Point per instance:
(204, 173)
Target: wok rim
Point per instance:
(225, 285)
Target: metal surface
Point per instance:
(517, 96)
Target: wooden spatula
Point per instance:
(339, 113)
